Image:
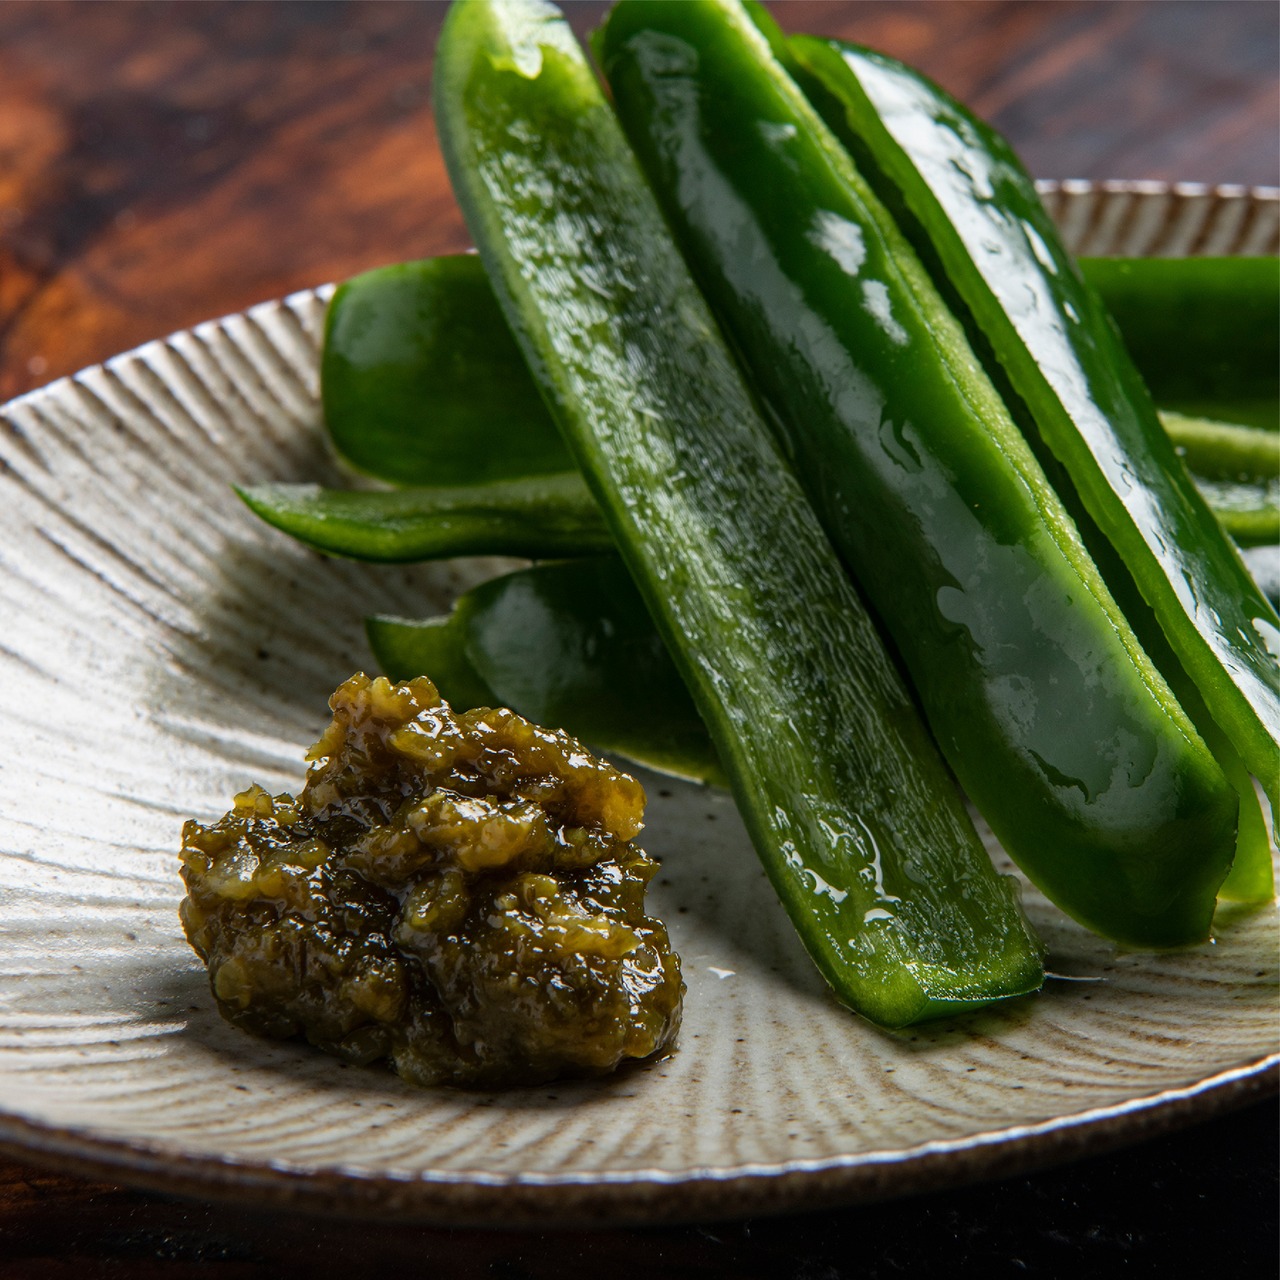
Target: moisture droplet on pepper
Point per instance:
(457, 893)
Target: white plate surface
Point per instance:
(160, 648)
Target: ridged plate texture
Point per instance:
(160, 648)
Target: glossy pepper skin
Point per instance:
(566, 645)
(977, 208)
(861, 834)
(423, 384)
(539, 516)
(1056, 723)
(400, 345)
(1203, 332)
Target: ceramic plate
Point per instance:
(160, 648)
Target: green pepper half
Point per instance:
(424, 343)
(566, 645)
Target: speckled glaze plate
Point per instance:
(159, 648)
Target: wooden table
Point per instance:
(163, 163)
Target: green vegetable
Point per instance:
(572, 645)
(1237, 470)
(553, 514)
(424, 343)
(415, 356)
(418, 401)
(542, 516)
(976, 209)
(859, 830)
(1204, 332)
(1057, 724)
(1233, 462)
(1251, 877)
(566, 645)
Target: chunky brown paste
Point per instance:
(456, 893)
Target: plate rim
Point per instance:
(641, 1196)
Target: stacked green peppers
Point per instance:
(848, 806)
(1090, 770)
(424, 387)
(977, 209)
(1053, 718)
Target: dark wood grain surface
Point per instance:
(164, 163)
(161, 163)
(1196, 1204)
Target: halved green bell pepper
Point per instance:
(424, 343)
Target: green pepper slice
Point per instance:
(1204, 332)
(857, 826)
(540, 516)
(977, 209)
(422, 345)
(1057, 724)
(566, 645)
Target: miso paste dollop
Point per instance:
(459, 894)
